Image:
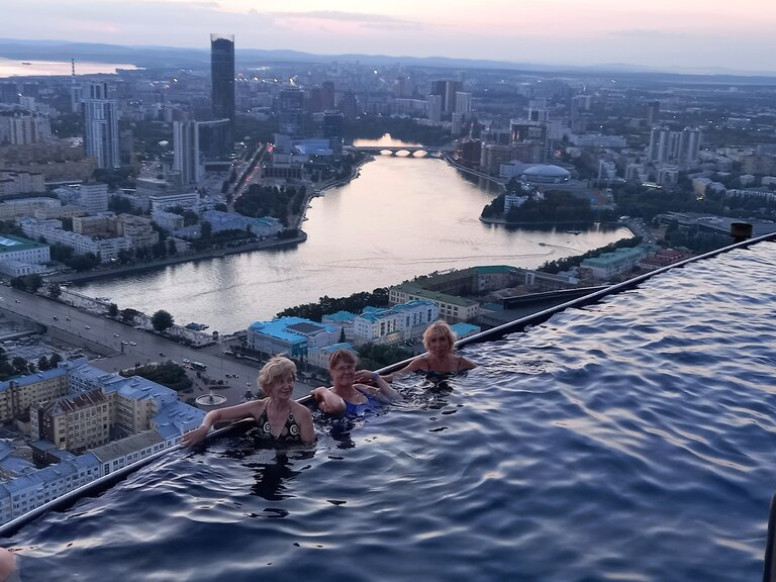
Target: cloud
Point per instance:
(645, 33)
(364, 19)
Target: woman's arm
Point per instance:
(328, 402)
(386, 390)
(415, 365)
(228, 414)
(304, 419)
(464, 364)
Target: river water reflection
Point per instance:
(402, 217)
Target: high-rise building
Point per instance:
(290, 111)
(675, 147)
(327, 95)
(446, 90)
(94, 197)
(653, 113)
(9, 92)
(435, 108)
(333, 129)
(222, 81)
(214, 139)
(101, 125)
(19, 127)
(222, 75)
(186, 159)
(348, 104)
(463, 103)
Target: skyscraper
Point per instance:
(101, 126)
(653, 113)
(186, 157)
(222, 80)
(332, 129)
(290, 111)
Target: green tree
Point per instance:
(19, 365)
(113, 310)
(128, 314)
(43, 363)
(161, 320)
(54, 360)
(54, 291)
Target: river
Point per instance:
(34, 68)
(401, 217)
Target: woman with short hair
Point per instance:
(281, 420)
(349, 394)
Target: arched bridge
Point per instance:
(409, 151)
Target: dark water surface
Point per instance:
(631, 440)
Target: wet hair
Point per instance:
(277, 367)
(439, 328)
(341, 355)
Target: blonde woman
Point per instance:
(440, 358)
(281, 419)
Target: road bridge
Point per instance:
(405, 150)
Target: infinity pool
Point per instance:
(631, 440)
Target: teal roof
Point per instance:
(11, 243)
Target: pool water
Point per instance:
(630, 440)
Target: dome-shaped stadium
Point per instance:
(545, 174)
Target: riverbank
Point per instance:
(450, 161)
(106, 272)
(539, 225)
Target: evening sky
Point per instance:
(686, 35)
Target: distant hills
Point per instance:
(183, 58)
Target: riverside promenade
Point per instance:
(113, 271)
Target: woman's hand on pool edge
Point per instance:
(194, 436)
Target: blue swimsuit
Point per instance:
(360, 409)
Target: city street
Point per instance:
(106, 337)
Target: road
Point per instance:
(107, 337)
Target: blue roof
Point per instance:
(34, 378)
(375, 313)
(340, 346)
(463, 329)
(16, 465)
(278, 328)
(340, 316)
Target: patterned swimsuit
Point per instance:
(288, 436)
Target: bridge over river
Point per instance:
(405, 150)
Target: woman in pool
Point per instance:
(349, 395)
(281, 420)
(440, 359)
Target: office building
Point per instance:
(101, 126)
(214, 140)
(290, 111)
(222, 75)
(446, 90)
(333, 122)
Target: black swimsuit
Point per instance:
(290, 434)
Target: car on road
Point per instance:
(56, 318)
(17, 301)
(68, 318)
(87, 327)
(163, 354)
(115, 335)
(133, 343)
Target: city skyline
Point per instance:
(694, 37)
